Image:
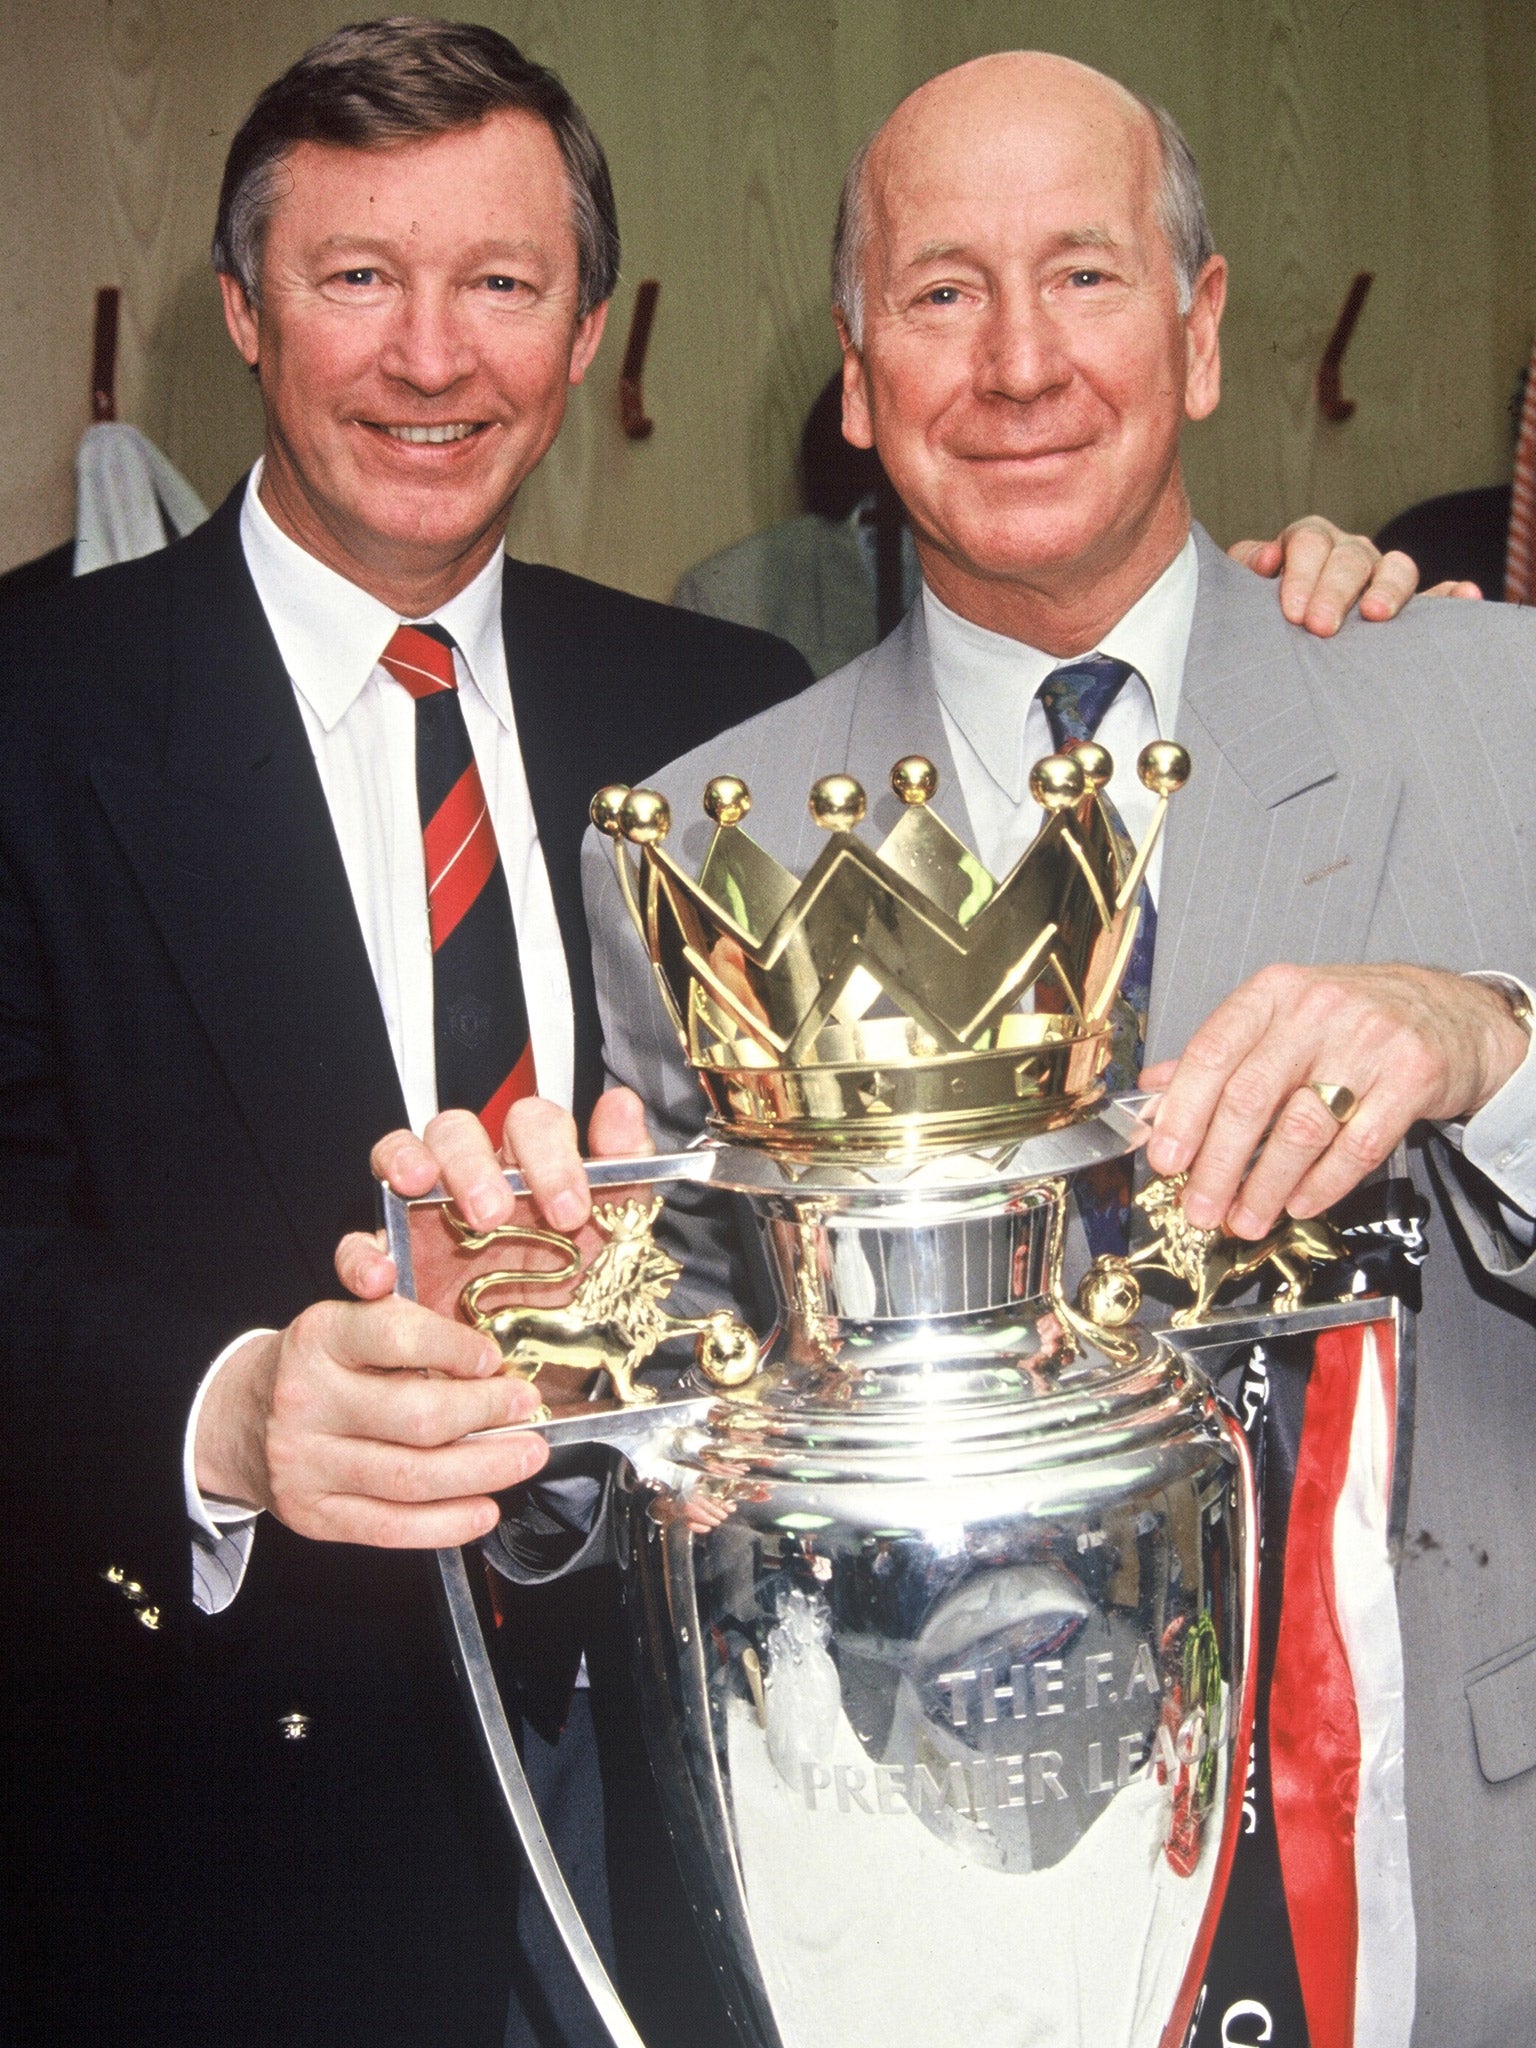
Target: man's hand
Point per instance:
(1408, 1041)
(350, 1424)
(1326, 570)
(539, 1139)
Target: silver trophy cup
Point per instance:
(941, 1593)
(942, 1625)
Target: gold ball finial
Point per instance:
(914, 779)
(1096, 762)
(1163, 767)
(606, 808)
(1057, 782)
(727, 799)
(837, 803)
(1110, 1293)
(725, 1352)
(645, 818)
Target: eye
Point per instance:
(942, 295)
(363, 276)
(1084, 278)
(498, 283)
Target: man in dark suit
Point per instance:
(254, 1817)
(243, 786)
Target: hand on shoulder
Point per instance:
(1324, 572)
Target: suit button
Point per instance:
(144, 1610)
(294, 1726)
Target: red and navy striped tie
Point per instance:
(480, 1020)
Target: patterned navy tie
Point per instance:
(1074, 699)
(480, 1021)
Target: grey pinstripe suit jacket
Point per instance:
(1371, 797)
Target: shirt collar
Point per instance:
(330, 633)
(987, 681)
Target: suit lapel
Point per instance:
(566, 757)
(233, 847)
(1274, 852)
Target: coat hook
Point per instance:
(1330, 395)
(104, 356)
(632, 414)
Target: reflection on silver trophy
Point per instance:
(943, 1589)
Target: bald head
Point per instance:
(1027, 325)
(983, 98)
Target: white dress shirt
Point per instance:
(989, 696)
(361, 727)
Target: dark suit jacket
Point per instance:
(193, 1066)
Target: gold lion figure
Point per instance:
(1205, 1260)
(614, 1319)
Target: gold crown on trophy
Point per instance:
(898, 999)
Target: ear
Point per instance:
(589, 332)
(858, 426)
(239, 317)
(1202, 323)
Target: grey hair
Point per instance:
(850, 238)
(1181, 210)
(380, 82)
(1180, 214)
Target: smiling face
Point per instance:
(416, 337)
(1024, 369)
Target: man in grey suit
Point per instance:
(1029, 307)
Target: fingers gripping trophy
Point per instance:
(942, 1589)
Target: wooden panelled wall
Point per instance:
(1397, 136)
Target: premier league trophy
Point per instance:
(943, 1589)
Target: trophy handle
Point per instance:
(614, 1320)
(501, 1751)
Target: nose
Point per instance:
(429, 345)
(1023, 356)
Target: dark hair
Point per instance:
(378, 82)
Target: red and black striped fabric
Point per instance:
(480, 1019)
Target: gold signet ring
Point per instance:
(1339, 1101)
